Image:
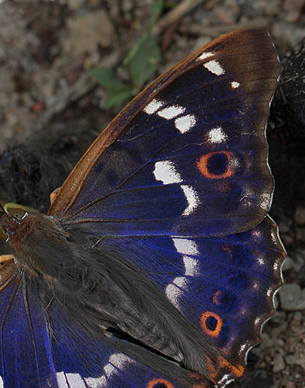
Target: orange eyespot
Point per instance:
(216, 298)
(3, 234)
(159, 383)
(211, 323)
(216, 165)
(238, 370)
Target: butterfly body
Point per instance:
(157, 263)
(104, 291)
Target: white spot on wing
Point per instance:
(185, 123)
(261, 261)
(165, 172)
(217, 135)
(99, 382)
(171, 111)
(192, 199)
(205, 55)
(257, 321)
(265, 201)
(173, 290)
(186, 246)
(191, 266)
(1, 382)
(70, 380)
(61, 380)
(214, 67)
(225, 380)
(75, 380)
(242, 348)
(117, 362)
(153, 106)
(235, 84)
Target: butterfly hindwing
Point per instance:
(214, 282)
(45, 348)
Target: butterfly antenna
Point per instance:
(2, 209)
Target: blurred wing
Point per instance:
(66, 357)
(189, 155)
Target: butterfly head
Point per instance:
(10, 221)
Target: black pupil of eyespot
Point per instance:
(211, 323)
(217, 164)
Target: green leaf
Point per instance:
(106, 77)
(145, 56)
(157, 8)
(145, 61)
(118, 96)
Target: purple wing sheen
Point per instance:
(188, 156)
(66, 357)
(223, 285)
(26, 359)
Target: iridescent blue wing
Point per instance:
(26, 359)
(223, 285)
(188, 156)
(45, 348)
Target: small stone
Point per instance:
(278, 364)
(291, 297)
(284, 226)
(298, 315)
(267, 342)
(299, 216)
(87, 31)
(75, 4)
(288, 264)
(228, 12)
(291, 359)
(300, 233)
(291, 384)
(280, 342)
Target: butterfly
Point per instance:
(157, 263)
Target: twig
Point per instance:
(177, 13)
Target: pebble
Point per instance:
(87, 31)
(278, 364)
(292, 298)
(288, 264)
(290, 385)
(299, 216)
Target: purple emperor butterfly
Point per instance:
(157, 263)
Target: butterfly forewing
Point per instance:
(196, 138)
